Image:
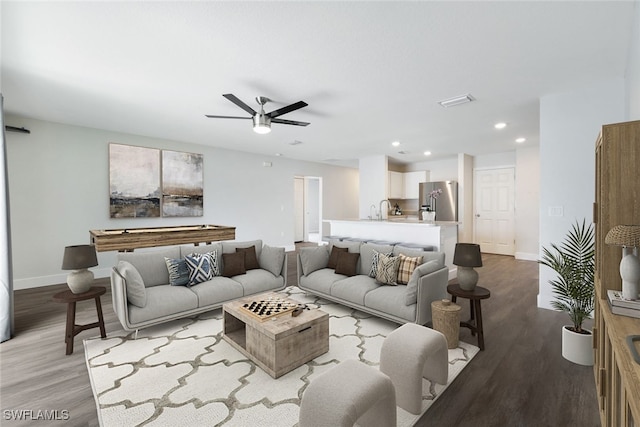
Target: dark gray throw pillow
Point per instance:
(250, 258)
(233, 264)
(347, 263)
(333, 257)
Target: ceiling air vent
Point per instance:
(452, 102)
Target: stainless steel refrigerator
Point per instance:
(446, 203)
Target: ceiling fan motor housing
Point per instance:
(261, 123)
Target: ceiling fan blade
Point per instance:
(225, 117)
(287, 109)
(289, 122)
(239, 103)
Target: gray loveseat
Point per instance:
(143, 296)
(410, 303)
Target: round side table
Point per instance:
(474, 297)
(70, 298)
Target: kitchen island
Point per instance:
(443, 235)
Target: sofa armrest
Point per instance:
(431, 287)
(119, 298)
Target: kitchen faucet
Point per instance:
(381, 202)
(374, 211)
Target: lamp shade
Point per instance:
(467, 255)
(624, 235)
(79, 257)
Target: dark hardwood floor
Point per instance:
(520, 379)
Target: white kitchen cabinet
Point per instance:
(411, 183)
(396, 185)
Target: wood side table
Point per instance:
(474, 297)
(70, 298)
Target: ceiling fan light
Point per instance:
(261, 124)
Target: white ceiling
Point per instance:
(371, 72)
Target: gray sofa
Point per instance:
(410, 303)
(142, 295)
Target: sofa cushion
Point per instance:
(321, 280)
(200, 267)
(216, 291)
(150, 264)
(136, 292)
(406, 267)
(271, 259)
(250, 257)
(354, 289)
(255, 281)
(412, 287)
(178, 271)
(163, 300)
(333, 256)
(367, 253)
(313, 258)
(390, 300)
(347, 263)
(233, 264)
(387, 271)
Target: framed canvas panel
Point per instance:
(134, 181)
(182, 184)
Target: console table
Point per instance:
(128, 239)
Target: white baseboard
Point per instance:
(54, 279)
(526, 256)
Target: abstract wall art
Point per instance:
(182, 184)
(148, 182)
(134, 181)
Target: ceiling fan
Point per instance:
(261, 120)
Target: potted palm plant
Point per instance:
(573, 261)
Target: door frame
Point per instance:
(307, 203)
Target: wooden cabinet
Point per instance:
(405, 185)
(617, 202)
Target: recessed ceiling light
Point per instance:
(500, 125)
(457, 100)
(278, 154)
(521, 140)
(395, 143)
(427, 153)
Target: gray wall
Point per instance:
(59, 190)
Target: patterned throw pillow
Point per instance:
(406, 267)
(200, 269)
(374, 262)
(387, 271)
(178, 271)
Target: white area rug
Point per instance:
(183, 373)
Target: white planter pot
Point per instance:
(577, 348)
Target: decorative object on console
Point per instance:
(573, 261)
(466, 257)
(79, 258)
(627, 236)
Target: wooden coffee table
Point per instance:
(278, 344)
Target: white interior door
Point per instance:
(494, 195)
(298, 203)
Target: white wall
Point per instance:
(374, 183)
(439, 170)
(465, 197)
(569, 125)
(632, 74)
(506, 159)
(59, 189)
(527, 203)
